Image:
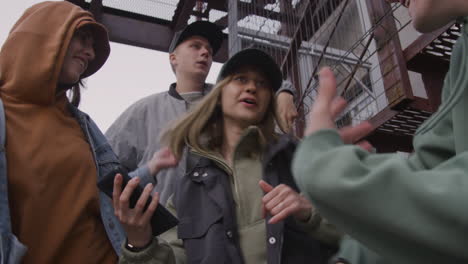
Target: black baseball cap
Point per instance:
(206, 29)
(259, 60)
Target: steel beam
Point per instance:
(81, 3)
(218, 5)
(394, 71)
(433, 82)
(389, 143)
(422, 104)
(222, 22)
(414, 50)
(138, 33)
(293, 70)
(146, 34)
(235, 44)
(138, 30)
(96, 8)
(182, 14)
(432, 68)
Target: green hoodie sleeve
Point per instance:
(352, 252)
(408, 210)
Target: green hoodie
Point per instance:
(407, 210)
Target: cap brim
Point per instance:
(256, 58)
(101, 46)
(205, 29)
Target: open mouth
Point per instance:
(249, 102)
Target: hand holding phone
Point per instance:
(135, 219)
(161, 220)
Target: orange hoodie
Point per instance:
(50, 167)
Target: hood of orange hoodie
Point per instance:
(32, 56)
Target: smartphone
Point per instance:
(161, 221)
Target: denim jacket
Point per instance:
(11, 249)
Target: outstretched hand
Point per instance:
(282, 201)
(326, 109)
(162, 159)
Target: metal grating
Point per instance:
(405, 123)
(152, 23)
(169, 10)
(359, 39)
(161, 9)
(442, 46)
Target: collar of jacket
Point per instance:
(173, 92)
(200, 160)
(251, 133)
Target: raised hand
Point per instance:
(326, 109)
(135, 221)
(282, 201)
(162, 159)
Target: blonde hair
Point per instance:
(202, 127)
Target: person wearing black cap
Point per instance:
(135, 135)
(237, 201)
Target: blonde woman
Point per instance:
(237, 201)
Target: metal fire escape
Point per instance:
(152, 23)
(389, 73)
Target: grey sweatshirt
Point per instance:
(135, 136)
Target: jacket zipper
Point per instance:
(224, 167)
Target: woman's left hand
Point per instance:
(282, 201)
(135, 221)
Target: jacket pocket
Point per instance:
(203, 239)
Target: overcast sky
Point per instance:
(129, 74)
